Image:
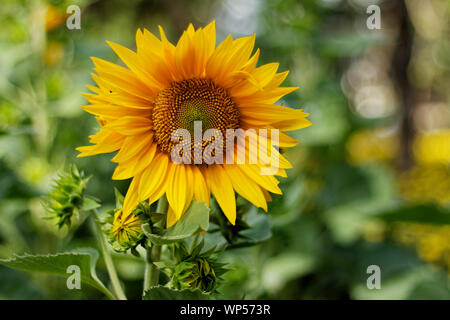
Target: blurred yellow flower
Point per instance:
(53, 53)
(374, 231)
(372, 145)
(433, 147)
(34, 170)
(432, 242)
(54, 17)
(426, 183)
(429, 179)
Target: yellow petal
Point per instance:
(122, 78)
(171, 218)
(246, 187)
(112, 111)
(277, 80)
(285, 141)
(176, 190)
(267, 195)
(135, 165)
(292, 124)
(131, 59)
(250, 64)
(153, 175)
(106, 141)
(201, 190)
(151, 54)
(222, 189)
(268, 182)
(132, 146)
(274, 112)
(190, 186)
(96, 149)
(266, 96)
(118, 98)
(131, 198)
(130, 125)
(215, 63)
(261, 77)
(229, 56)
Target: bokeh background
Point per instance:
(371, 179)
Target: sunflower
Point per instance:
(164, 88)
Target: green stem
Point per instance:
(151, 276)
(108, 260)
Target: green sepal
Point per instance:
(193, 221)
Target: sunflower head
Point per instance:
(184, 100)
(189, 101)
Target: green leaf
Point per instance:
(164, 293)
(119, 198)
(255, 228)
(57, 264)
(429, 213)
(90, 203)
(350, 43)
(435, 288)
(344, 184)
(259, 230)
(15, 285)
(285, 267)
(195, 219)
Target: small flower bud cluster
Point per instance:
(124, 232)
(195, 270)
(66, 197)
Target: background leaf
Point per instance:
(57, 264)
(16, 285)
(426, 213)
(258, 232)
(90, 203)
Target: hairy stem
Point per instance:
(108, 260)
(151, 276)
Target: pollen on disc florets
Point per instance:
(187, 101)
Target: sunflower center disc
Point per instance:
(185, 102)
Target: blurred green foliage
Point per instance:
(341, 204)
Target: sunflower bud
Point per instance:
(198, 274)
(124, 232)
(194, 270)
(67, 196)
